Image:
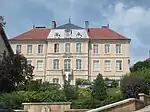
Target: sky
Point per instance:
(130, 18)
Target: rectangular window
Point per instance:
(29, 49)
(56, 47)
(40, 65)
(29, 62)
(67, 47)
(67, 65)
(78, 47)
(119, 65)
(107, 65)
(18, 48)
(96, 65)
(95, 48)
(55, 64)
(56, 80)
(107, 48)
(78, 64)
(118, 48)
(40, 49)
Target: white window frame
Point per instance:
(78, 47)
(67, 48)
(107, 48)
(67, 64)
(40, 51)
(97, 68)
(18, 48)
(42, 65)
(118, 50)
(29, 61)
(29, 51)
(96, 48)
(56, 80)
(57, 47)
(56, 64)
(118, 68)
(107, 66)
(78, 64)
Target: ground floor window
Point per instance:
(56, 80)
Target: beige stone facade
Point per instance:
(57, 56)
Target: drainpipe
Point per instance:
(45, 60)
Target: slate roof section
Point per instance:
(104, 33)
(35, 33)
(69, 26)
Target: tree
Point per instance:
(99, 89)
(131, 86)
(13, 71)
(140, 65)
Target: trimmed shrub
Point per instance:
(131, 86)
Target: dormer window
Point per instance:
(79, 35)
(57, 35)
(68, 33)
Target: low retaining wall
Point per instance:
(47, 107)
(77, 110)
(127, 105)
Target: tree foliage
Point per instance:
(140, 65)
(13, 71)
(131, 86)
(99, 89)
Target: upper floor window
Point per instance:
(118, 48)
(56, 47)
(78, 47)
(40, 49)
(107, 65)
(95, 48)
(68, 33)
(107, 48)
(96, 65)
(56, 64)
(29, 49)
(78, 64)
(118, 65)
(18, 48)
(67, 65)
(67, 47)
(79, 35)
(40, 65)
(57, 35)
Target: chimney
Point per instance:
(53, 24)
(105, 26)
(86, 25)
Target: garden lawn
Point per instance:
(113, 91)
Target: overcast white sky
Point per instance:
(128, 17)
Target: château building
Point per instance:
(71, 52)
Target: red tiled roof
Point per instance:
(94, 33)
(35, 33)
(104, 33)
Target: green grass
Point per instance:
(112, 91)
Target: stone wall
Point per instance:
(47, 107)
(127, 105)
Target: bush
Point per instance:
(12, 100)
(80, 81)
(84, 93)
(131, 86)
(70, 92)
